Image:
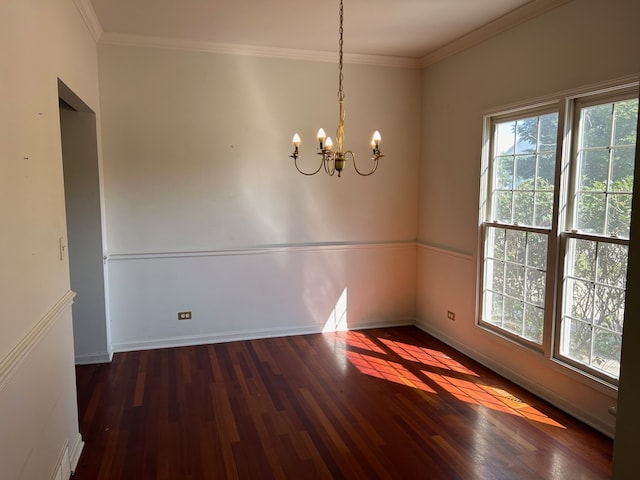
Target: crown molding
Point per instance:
(506, 22)
(90, 18)
(500, 25)
(122, 39)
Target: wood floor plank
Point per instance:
(383, 403)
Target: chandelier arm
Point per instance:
(329, 164)
(295, 162)
(355, 165)
(335, 160)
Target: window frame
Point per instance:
(485, 222)
(567, 105)
(567, 218)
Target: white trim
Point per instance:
(75, 451)
(90, 18)
(234, 336)
(533, 387)
(68, 459)
(527, 12)
(506, 22)
(62, 469)
(12, 361)
(560, 98)
(129, 40)
(261, 250)
(445, 251)
(94, 358)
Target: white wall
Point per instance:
(196, 159)
(41, 42)
(580, 43)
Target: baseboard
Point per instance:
(90, 359)
(75, 450)
(151, 344)
(68, 459)
(515, 377)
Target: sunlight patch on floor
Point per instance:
(386, 370)
(437, 372)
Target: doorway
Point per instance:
(87, 268)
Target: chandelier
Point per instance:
(335, 160)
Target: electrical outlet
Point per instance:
(451, 315)
(184, 315)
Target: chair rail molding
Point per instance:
(12, 361)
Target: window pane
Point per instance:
(546, 172)
(496, 242)
(605, 168)
(513, 315)
(594, 170)
(612, 264)
(533, 323)
(504, 141)
(503, 173)
(583, 264)
(494, 304)
(527, 135)
(525, 172)
(609, 308)
(502, 206)
(579, 299)
(593, 308)
(576, 340)
(535, 286)
(515, 246)
(622, 169)
(606, 352)
(619, 214)
(524, 160)
(495, 275)
(596, 125)
(514, 290)
(523, 208)
(591, 213)
(514, 280)
(626, 120)
(537, 250)
(543, 209)
(548, 133)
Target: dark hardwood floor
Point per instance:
(383, 403)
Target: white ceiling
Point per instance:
(398, 28)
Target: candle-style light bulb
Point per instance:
(375, 141)
(296, 140)
(321, 137)
(329, 143)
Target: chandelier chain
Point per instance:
(334, 160)
(340, 43)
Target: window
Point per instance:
(556, 208)
(523, 163)
(596, 239)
